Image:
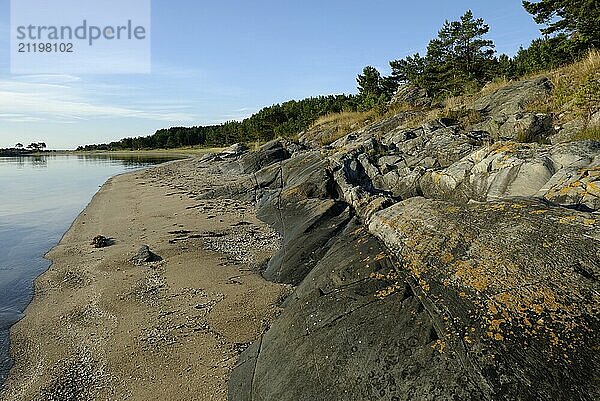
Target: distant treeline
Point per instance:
(284, 119)
(20, 150)
(13, 152)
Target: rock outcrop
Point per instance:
(430, 263)
(144, 255)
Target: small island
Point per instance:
(20, 150)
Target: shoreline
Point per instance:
(100, 326)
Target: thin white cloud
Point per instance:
(18, 118)
(48, 78)
(55, 98)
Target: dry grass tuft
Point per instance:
(592, 134)
(494, 85)
(329, 128)
(576, 94)
(576, 90)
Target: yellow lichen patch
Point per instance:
(518, 206)
(447, 257)
(390, 276)
(377, 276)
(536, 310)
(566, 190)
(567, 219)
(492, 307)
(471, 275)
(589, 222)
(593, 189)
(424, 285)
(495, 325)
(513, 295)
(380, 256)
(440, 346)
(392, 289)
(591, 171)
(585, 184)
(413, 260)
(509, 147)
(498, 207)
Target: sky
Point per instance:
(214, 61)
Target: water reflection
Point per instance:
(134, 160)
(130, 160)
(39, 161)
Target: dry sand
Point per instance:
(102, 328)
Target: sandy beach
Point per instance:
(102, 327)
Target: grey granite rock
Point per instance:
(433, 262)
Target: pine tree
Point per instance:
(374, 90)
(410, 69)
(370, 82)
(458, 60)
(578, 18)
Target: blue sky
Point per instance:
(214, 61)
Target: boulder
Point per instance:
(411, 95)
(269, 153)
(527, 127)
(144, 255)
(234, 150)
(513, 98)
(100, 241)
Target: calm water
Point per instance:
(39, 199)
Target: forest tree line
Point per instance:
(286, 119)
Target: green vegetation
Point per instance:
(576, 90)
(460, 61)
(577, 18)
(588, 134)
(374, 91)
(284, 119)
(542, 55)
(20, 150)
(182, 152)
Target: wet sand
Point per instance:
(103, 328)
